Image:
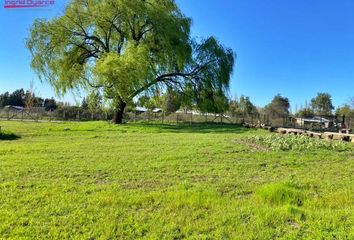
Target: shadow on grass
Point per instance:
(8, 136)
(193, 128)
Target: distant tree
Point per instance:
(63, 104)
(17, 98)
(148, 102)
(38, 101)
(305, 113)
(21, 98)
(50, 104)
(30, 97)
(187, 99)
(345, 110)
(246, 106)
(234, 107)
(278, 107)
(126, 48)
(322, 104)
(172, 101)
(242, 106)
(213, 102)
(4, 99)
(143, 101)
(94, 100)
(84, 103)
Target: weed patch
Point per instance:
(297, 143)
(280, 194)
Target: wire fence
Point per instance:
(318, 123)
(37, 114)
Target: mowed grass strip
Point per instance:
(96, 180)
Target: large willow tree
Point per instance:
(126, 48)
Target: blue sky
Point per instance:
(295, 48)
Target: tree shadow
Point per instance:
(195, 128)
(9, 136)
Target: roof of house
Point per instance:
(140, 109)
(14, 107)
(314, 120)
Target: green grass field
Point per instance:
(100, 181)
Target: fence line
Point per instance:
(323, 122)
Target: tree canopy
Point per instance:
(125, 48)
(305, 113)
(345, 110)
(243, 106)
(322, 104)
(28, 99)
(278, 107)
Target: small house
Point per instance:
(315, 121)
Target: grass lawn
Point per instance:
(99, 181)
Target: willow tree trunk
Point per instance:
(119, 112)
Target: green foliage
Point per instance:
(94, 101)
(297, 143)
(246, 106)
(155, 101)
(26, 99)
(4, 99)
(322, 104)
(16, 98)
(278, 107)
(127, 49)
(212, 101)
(215, 75)
(50, 104)
(345, 110)
(172, 101)
(243, 106)
(305, 113)
(84, 103)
